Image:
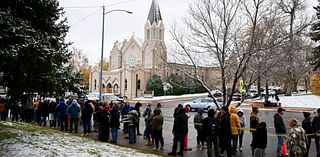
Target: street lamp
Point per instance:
(101, 64)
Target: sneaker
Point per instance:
(240, 149)
(161, 148)
(139, 134)
(198, 145)
(155, 149)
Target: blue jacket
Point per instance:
(74, 110)
(62, 109)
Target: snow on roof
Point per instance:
(139, 40)
(115, 70)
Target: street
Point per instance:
(267, 116)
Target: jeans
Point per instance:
(74, 121)
(234, 142)
(200, 138)
(240, 139)
(258, 152)
(178, 137)
(280, 142)
(132, 134)
(86, 126)
(64, 123)
(158, 138)
(212, 140)
(114, 133)
(308, 146)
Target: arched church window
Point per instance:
(95, 84)
(148, 34)
(138, 84)
(125, 84)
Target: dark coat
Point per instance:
(260, 137)
(316, 124)
(87, 111)
(114, 118)
(103, 119)
(207, 129)
(307, 126)
(279, 124)
(180, 125)
(225, 126)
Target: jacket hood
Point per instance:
(133, 112)
(240, 111)
(233, 110)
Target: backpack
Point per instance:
(214, 127)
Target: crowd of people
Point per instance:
(221, 131)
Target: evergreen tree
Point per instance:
(155, 84)
(315, 36)
(33, 51)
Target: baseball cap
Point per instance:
(280, 109)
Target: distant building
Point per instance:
(132, 62)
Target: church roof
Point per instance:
(154, 13)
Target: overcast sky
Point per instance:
(86, 23)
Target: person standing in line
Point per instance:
(280, 129)
(157, 129)
(254, 122)
(131, 120)
(114, 122)
(307, 126)
(63, 115)
(74, 110)
(137, 108)
(260, 140)
(243, 125)
(198, 125)
(225, 133)
(210, 132)
(316, 129)
(124, 113)
(103, 119)
(148, 118)
(235, 128)
(179, 130)
(297, 139)
(86, 118)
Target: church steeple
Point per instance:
(154, 13)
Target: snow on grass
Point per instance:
(157, 98)
(303, 101)
(20, 139)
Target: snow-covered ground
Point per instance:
(23, 139)
(299, 101)
(302, 101)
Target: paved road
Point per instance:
(168, 108)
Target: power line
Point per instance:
(81, 7)
(83, 18)
(123, 2)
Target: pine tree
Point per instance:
(33, 51)
(315, 36)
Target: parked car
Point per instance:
(110, 97)
(204, 103)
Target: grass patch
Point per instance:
(5, 134)
(94, 152)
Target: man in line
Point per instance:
(280, 129)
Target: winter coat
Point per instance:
(254, 121)
(307, 126)
(316, 124)
(125, 110)
(242, 120)
(74, 110)
(87, 112)
(234, 121)
(279, 124)
(180, 124)
(132, 118)
(114, 118)
(207, 126)
(157, 120)
(297, 141)
(198, 121)
(62, 109)
(260, 138)
(148, 117)
(225, 127)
